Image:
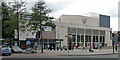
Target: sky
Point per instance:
(79, 7)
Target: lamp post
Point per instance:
(58, 39)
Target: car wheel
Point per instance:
(13, 51)
(9, 53)
(21, 52)
(3, 54)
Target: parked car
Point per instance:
(16, 49)
(5, 49)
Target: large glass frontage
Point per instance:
(86, 36)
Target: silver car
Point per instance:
(5, 49)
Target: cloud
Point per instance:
(113, 12)
(79, 7)
(57, 5)
(114, 24)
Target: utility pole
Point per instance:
(113, 47)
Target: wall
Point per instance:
(63, 31)
(77, 19)
(108, 39)
(49, 34)
(24, 35)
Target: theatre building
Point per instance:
(84, 30)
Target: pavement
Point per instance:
(78, 52)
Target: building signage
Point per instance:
(84, 20)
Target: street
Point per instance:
(45, 56)
(104, 53)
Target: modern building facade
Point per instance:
(104, 20)
(83, 31)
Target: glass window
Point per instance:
(73, 38)
(103, 38)
(78, 38)
(86, 44)
(89, 39)
(86, 38)
(96, 38)
(100, 38)
(93, 38)
(82, 38)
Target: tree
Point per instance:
(38, 18)
(6, 11)
(10, 17)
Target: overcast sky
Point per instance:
(79, 7)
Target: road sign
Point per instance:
(28, 42)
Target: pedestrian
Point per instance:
(48, 46)
(100, 46)
(35, 47)
(90, 49)
(83, 47)
(76, 47)
(57, 48)
(52, 47)
(116, 47)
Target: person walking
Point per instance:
(57, 48)
(116, 47)
(83, 46)
(35, 46)
(100, 46)
(90, 48)
(48, 46)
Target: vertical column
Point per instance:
(80, 39)
(84, 35)
(95, 39)
(102, 39)
(76, 37)
(92, 37)
(98, 36)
